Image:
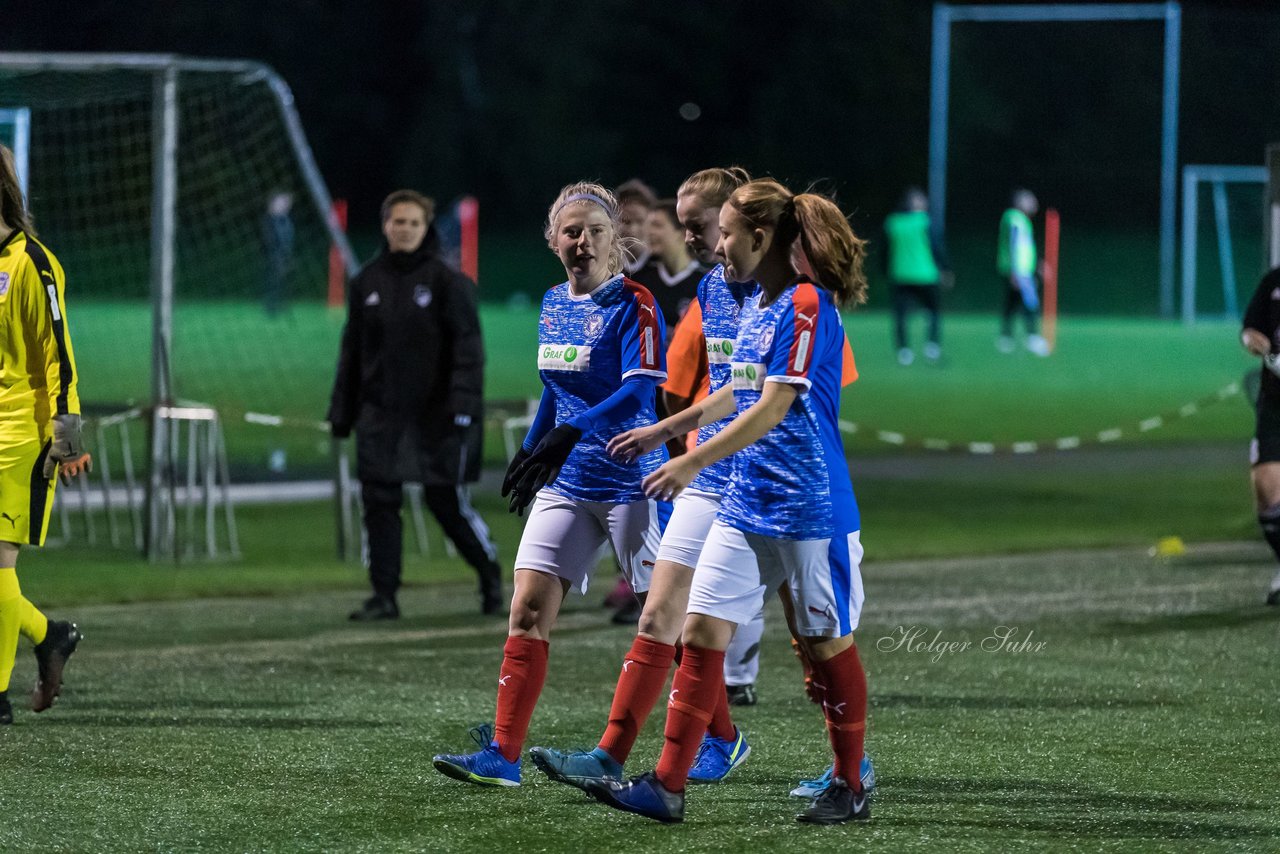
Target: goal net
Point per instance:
(248, 326)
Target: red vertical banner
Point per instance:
(337, 269)
(469, 250)
(1052, 232)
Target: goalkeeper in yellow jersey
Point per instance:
(39, 432)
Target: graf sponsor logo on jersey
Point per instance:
(720, 351)
(4, 284)
(748, 376)
(422, 295)
(563, 357)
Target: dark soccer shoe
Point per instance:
(837, 803)
(742, 695)
(51, 658)
(6, 710)
(376, 608)
(1273, 598)
(642, 795)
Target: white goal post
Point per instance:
(154, 170)
(1217, 177)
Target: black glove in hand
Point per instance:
(510, 478)
(339, 431)
(67, 444)
(542, 466)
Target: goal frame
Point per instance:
(1217, 176)
(946, 14)
(164, 70)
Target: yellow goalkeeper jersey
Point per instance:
(37, 366)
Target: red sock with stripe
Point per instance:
(689, 710)
(524, 670)
(844, 705)
(644, 672)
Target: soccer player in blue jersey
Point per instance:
(647, 663)
(600, 356)
(789, 512)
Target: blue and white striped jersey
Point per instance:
(794, 483)
(587, 346)
(721, 302)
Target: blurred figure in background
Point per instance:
(635, 200)
(277, 245)
(1016, 266)
(411, 384)
(916, 266)
(1261, 323)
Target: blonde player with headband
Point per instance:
(600, 356)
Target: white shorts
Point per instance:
(563, 537)
(692, 515)
(737, 571)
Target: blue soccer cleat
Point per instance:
(577, 767)
(485, 767)
(813, 788)
(642, 795)
(716, 758)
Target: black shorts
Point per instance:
(1265, 447)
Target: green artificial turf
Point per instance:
(1132, 709)
(1107, 373)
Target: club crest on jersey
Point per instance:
(4, 284)
(766, 339)
(422, 295)
(373, 299)
(563, 357)
(595, 323)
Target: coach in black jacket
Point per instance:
(410, 382)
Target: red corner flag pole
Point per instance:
(469, 219)
(1052, 229)
(337, 270)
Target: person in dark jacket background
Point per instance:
(410, 383)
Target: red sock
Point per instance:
(721, 725)
(524, 669)
(689, 708)
(845, 707)
(644, 672)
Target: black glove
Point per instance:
(339, 431)
(542, 466)
(509, 479)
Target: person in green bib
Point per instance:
(1016, 266)
(917, 269)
